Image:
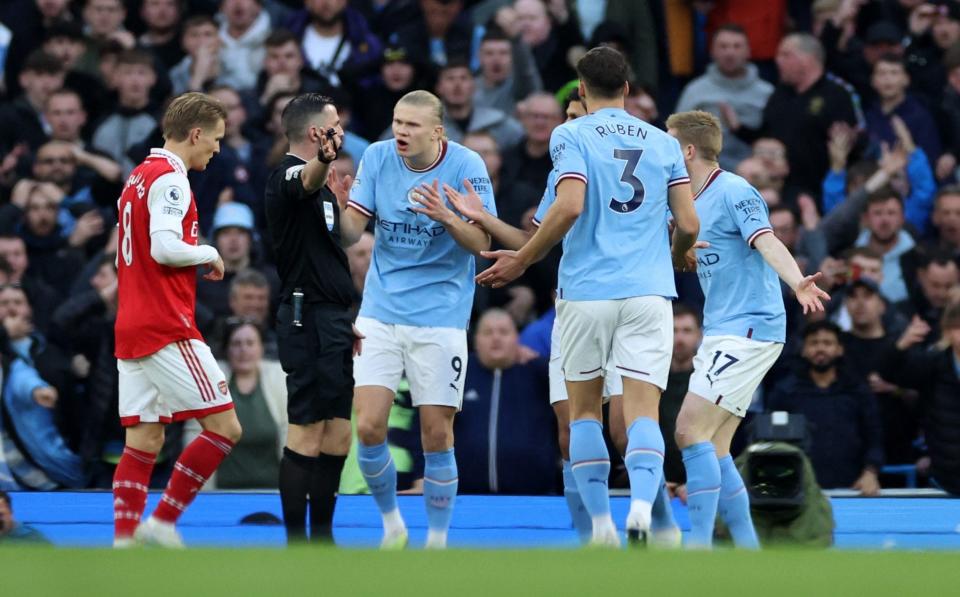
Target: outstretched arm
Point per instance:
(809, 295)
(316, 171)
(560, 218)
(470, 206)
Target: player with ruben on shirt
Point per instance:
(744, 327)
(615, 177)
(166, 371)
(416, 302)
(664, 526)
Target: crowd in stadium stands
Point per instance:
(844, 114)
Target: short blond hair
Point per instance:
(424, 99)
(700, 129)
(189, 111)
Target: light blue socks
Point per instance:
(734, 506)
(440, 482)
(703, 492)
(578, 512)
(380, 473)
(662, 515)
(644, 462)
(590, 463)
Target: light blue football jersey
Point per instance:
(619, 246)
(418, 273)
(743, 296)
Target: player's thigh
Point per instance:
(728, 369)
(138, 397)
(381, 362)
(643, 341)
(436, 365)
(586, 334)
(699, 420)
(372, 406)
(189, 380)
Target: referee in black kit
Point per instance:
(315, 330)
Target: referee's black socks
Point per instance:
(323, 495)
(296, 471)
(306, 479)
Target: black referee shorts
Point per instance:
(318, 360)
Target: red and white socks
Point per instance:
(196, 464)
(130, 483)
(132, 478)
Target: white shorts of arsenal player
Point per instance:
(180, 381)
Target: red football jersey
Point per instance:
(156, 303)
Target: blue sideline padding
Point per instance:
(86, 519)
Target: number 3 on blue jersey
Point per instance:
(628, 176)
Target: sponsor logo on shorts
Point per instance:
(222, 386)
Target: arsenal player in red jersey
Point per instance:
(167, 372)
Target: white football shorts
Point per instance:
(178, 382)
(728, 369)
(434, 359)
(632, 336)
(612, 382)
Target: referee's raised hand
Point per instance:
(330, 143)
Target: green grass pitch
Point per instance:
(489, 573)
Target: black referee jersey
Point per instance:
(305, 228)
